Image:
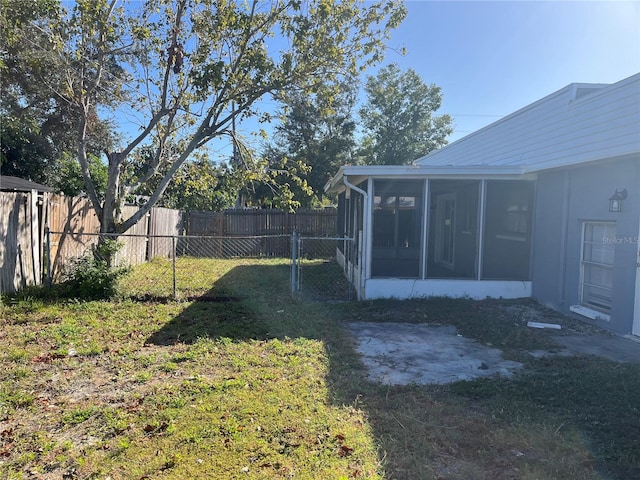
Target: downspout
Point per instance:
(364, 262)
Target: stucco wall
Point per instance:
(566, 199)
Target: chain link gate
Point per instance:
(321, 268)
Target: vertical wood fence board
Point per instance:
(73, 216)
(20, 263)
(163, 221)
(134, 249)
(34, 244)
(11, 237)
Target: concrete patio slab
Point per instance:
(403, 354)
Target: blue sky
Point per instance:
(493, 58)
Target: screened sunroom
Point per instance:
(419, 232)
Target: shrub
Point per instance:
(92, 276)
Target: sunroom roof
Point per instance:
(358, 173)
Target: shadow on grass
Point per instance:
(210, 319)
(323, 281)
(440, 425)
(254, 302)
(225, 311)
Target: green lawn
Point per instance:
(241, 381)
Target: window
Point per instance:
(596, 279)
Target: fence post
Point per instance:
(294, 248)
(173, 266)
(48, 242)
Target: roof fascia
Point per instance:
(431, 170)
(479, 172)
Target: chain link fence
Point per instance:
(320, 268)
(160, 265)
(157, 263)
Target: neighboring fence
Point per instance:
(23, 220)
(140, 243)
(321, 268)
(71, 214)
(252, 222)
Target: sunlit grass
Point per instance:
(235, 379)
(180, 389)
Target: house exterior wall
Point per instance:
(565, 200)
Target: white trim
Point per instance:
(402, 288)
(368, 228)
(459, 172)
(589, 313)
(425, 229)
(635, 327)
(480, 241)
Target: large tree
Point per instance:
(37, 127)
(399, 118)
(317, 131)
(189, 70)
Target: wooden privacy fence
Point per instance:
(74, 225)
(147, 239)
(256, 222)
(21, 233)
(24, 216)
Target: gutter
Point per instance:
(351, 186)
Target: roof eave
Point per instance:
(335, 184)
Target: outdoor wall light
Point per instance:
(615, 201)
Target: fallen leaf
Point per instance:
(345, 451)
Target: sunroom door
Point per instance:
(445, 230)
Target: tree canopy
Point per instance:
(318, 131)
(187, 70)
(399, 118)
